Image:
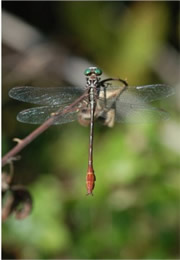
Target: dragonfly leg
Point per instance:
(84, 114)
(84, 118)
(110, 118)
(55, 114)
(18, 140)
(101, 83)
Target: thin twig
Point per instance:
(28, 139)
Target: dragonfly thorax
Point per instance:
(92, 76)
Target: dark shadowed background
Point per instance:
(134, 211)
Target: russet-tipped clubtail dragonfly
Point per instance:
(107, 100)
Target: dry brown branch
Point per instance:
(28, 139)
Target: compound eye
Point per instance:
(87, 72)
(98, 71)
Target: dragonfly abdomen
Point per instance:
(90, 180)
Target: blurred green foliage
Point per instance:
(134, 211)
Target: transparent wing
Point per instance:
(128, 113)
(46, 96)
(140, 94)
(39, 115)
(147, 93)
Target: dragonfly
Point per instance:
(109, 100)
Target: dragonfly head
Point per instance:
(92, 75)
